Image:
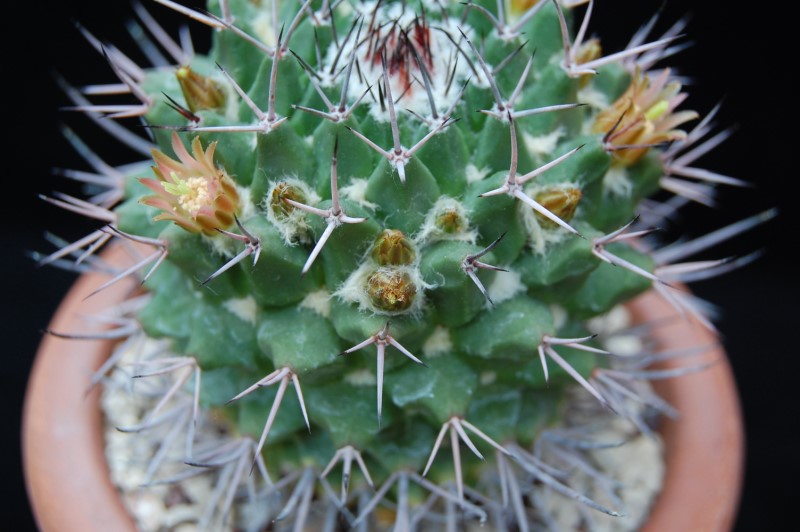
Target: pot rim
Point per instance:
(63, 427)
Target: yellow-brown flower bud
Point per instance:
(392, 248)
(200, 92)
(561, 201)
(518, 7)
(281, 191)
(589, 51)
(391, 290)
(451, 222)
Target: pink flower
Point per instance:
(192, 192)
(643, 116)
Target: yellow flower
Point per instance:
(192, 192)
(644, 116)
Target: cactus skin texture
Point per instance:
(380, 230)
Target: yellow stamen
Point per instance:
(192, 192)
(196, 194)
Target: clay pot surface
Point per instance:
(70, 489)
(63, 454)
(705, 445)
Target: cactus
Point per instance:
(370, 231)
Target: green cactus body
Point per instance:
(389, 222)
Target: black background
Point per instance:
(742, 56)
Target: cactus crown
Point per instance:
(410, 214)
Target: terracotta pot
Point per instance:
(705, 446)
(69, 486)
(62, 426)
